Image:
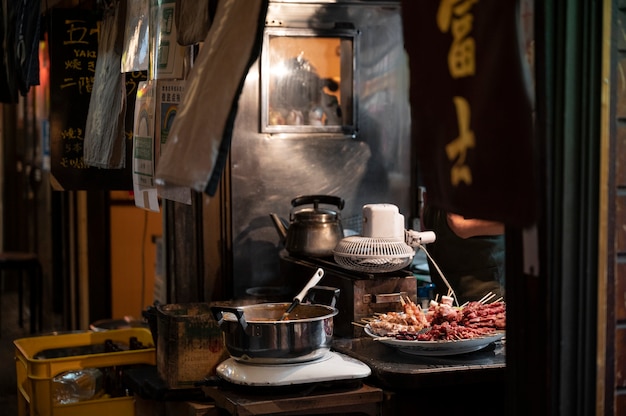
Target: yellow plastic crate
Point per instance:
(34, 375)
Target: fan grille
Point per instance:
(373, 255)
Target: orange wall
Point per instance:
(133, 256)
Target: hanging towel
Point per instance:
(105, 139)
(200, 137)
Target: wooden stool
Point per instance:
(29, 263)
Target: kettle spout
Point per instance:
(281, 227)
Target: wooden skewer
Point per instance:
(487, 297)
(379, 338)
(359, 324)
(484, 297)
(450, 290)
(490, 298)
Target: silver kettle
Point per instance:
(311, 231)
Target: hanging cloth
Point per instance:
(19, 43)
(28, 45)
(199, 142)
(193, 20)
(105, 139)
(472, 105)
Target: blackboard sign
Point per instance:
(73, 53)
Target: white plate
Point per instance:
(438, 348)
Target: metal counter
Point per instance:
(398, 371)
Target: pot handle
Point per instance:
(218, 314)
(322, 295)
(318, 199)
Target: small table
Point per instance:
(456, 384)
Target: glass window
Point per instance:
(307, 81)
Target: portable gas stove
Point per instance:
(330, 367)
(361, 294)
(329, 384)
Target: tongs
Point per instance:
(296, 301)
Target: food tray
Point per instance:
(438, 348)
(34, 375)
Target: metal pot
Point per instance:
(312, 231)
(256, 333)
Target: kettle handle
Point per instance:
(318, 199)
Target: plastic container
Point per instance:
(39, 359)
(77, 385)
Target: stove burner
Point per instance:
(283, 364)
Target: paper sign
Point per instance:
(145, 190)
(169, 97)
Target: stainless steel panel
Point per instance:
(370, 166)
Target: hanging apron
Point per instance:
(472, 107)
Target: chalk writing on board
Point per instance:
(73, 49)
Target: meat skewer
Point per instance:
(441, 321)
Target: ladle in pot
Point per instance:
(296, 301)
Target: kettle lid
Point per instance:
(315, 215)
